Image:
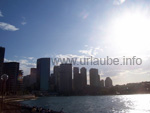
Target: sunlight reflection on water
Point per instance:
(96, 104)
(137, 103)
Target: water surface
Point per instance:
(95, 104)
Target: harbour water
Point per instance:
(95, 104)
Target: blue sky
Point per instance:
(49, 28)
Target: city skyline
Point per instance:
(41, 79)
(80, 29)
(65, 80)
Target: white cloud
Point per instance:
(1, 15)
(91, 51)
(6, 60)
(118, 2)
(26, 63)
(87, 52)
(23, 23)
(68, 56)
(8, 27)
(29, 58)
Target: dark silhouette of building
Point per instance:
(65, 79)
(33, 73)
(84, 77)
(43, 74)
(108, 82)
(102, 83)
(12, 70)
(57, 78)
(20, 81)
(26, 82)
(52, 83)
(2, 52)
(29, 81)
(32, 78)
(94, 77)
(77, 80)
(80, 80)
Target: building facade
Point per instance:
(20, 81)
(84, 77)
(76, 79)
(102, 83)
(108, 82)
(57, 78)
(12, 70)
(65, 79)
(33, 73)
(43, 74)
(2, 52)
(94, 77)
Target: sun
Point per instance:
(130, 31)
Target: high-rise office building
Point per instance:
(80, 80)
(29, 81)
(33, 77)
(12, 70)
(66, 79)
(20, 80)
(57, 78)
(43, 73)
(94, 77)
(102, 83)
(108, 82)
(52, 83)
(26, 81)
(76, 79)
(2, 52)
(84, 76)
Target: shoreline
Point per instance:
(11, 104)
(15, 98)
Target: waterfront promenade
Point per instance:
(11, 105)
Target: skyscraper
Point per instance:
(84, 77)
(57, 77)
(2, 52)
(66, 79)
(102, 83)
(26, 81)
(12, 70)
(76, 79)
(108, 82)
(52, 83)
(43, 73)
(33, 73)
(20, 80)
(94, 77)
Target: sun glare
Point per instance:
(130, 31)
